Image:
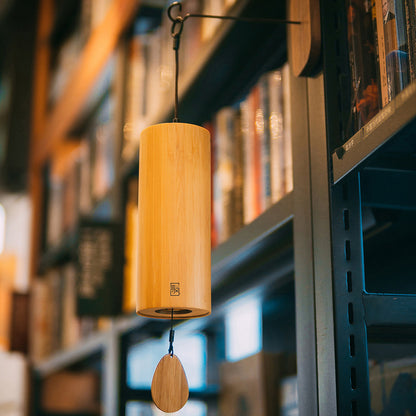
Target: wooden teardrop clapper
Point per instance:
(169, 385)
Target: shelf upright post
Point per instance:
(350, 337)
(303, 251)
(338, 284)
(322, 249)
(351, 330)
(111, 371)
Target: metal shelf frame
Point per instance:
(346, 317)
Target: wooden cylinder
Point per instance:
(174, 270)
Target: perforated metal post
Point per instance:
(351, 332)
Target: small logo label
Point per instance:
(175, 289)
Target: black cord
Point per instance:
(171, 335)
(176, 118)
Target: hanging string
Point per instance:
(177, 27)
(171, 335)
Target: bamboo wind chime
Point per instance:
(174, 274)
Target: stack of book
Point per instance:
(252, 155)
(150, 76)
(382, 54)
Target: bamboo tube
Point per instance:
(174, 270)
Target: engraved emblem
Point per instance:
(175, 289)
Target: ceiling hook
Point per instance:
(174, 4)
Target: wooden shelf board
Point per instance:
(388, 122)
(92, 60)
(62, 359)
(251, 238)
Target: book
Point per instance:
(40, 320)
(381, 52)
(54, 211)
(70, 322)
(54, 307)
(103, 150)
(136, 95)
(275, 122)
(224, 172)
(287, 123)
(71, 186)
(7, 281)
(131, 237)
(397, 61)
(251, 145)
(363, 63)
(99, 267)
(263, 134)
(393, 47)
(410, 22)
(84, 199)
(19, 327)
(238, 175)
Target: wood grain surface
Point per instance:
(304, 39)
(174, 222)
(169, 385)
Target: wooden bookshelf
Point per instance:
(92, 60)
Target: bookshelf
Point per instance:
(308, 245)
(394, 117)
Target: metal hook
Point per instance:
(174, 4)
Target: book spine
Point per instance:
(135, 105)
(287, 125)
(41, 320)
(70, 324)
(376, 52)
(276, 135)
(131, 247)
(381, 52)
(85, 202)
(54, 228)
(402, 72)
(223, 176)
(238, 203)
(410, 21)
(362, 59)
(263, 129)
(248, 146)
(254, 100)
